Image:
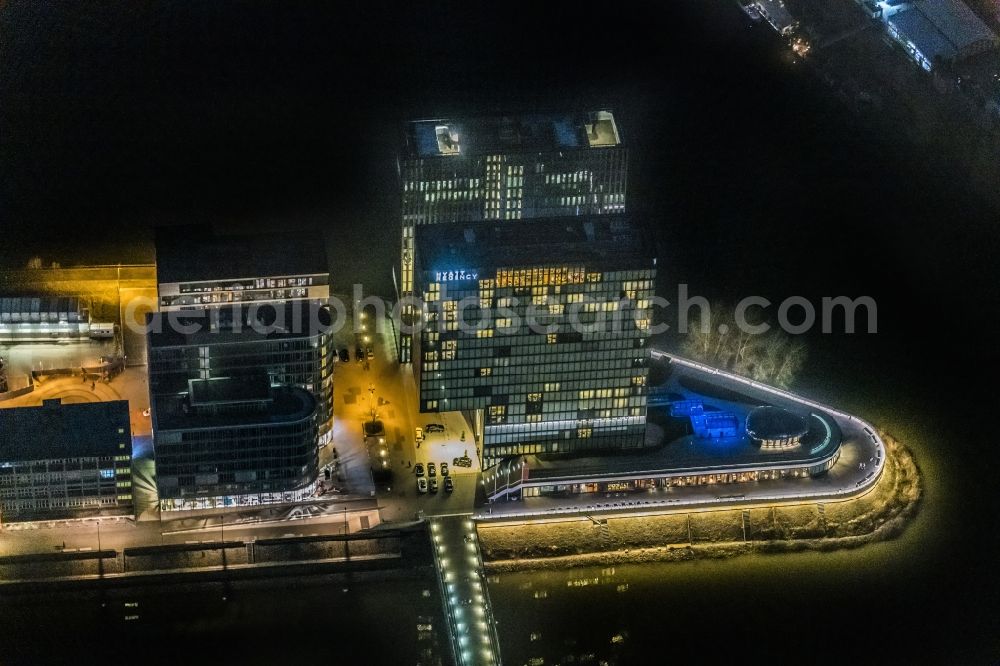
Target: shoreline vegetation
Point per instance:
(881, 514)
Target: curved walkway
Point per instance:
(862, 459)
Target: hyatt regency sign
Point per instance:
(455, 276)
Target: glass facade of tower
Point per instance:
(542, 327)
(507, 168)
(224, 342)
(234, 442)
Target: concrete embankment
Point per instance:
(382, 549)
(880, 514)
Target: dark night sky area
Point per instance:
(287, 115)
(284, 115)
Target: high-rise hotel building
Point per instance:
(538, 331)
(500, 168)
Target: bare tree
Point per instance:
(773, 357)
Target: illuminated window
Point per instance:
(485, 372)
(552, 338)
(584, 433)
(497, 413)
(534, 397)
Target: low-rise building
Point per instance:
(777, 15)
(48, 319)
(65, 461)
(935, 31)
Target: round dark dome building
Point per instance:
(775, 429)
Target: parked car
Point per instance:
(344, 355)
(449, 485)
(434, 427)
(418, 469)
(434, 485)
(444, 469)
(359, 354)
(419, 435)
(421, 484)
(431, 469)
(464, 461)
(370, 353)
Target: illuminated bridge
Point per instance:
(471, 625)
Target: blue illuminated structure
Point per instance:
(706, 425)
(686, 407)
(715, 425)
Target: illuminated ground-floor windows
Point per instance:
(513, 478)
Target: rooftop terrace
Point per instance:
(194, 253)
(54, 430)
(514, 133)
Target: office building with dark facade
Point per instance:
(65, 461)
(285, 343)
(538, 331)
(489, 169)
(234, 441)
(240, 278)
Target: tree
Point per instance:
(773, 357)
